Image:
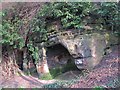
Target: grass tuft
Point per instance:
(46, 76)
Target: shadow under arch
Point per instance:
(59, 60)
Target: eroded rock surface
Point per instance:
(86, 50)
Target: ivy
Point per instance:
(34, 50)
(10, 33)
(109, 11)
(70, 14)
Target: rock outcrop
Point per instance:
(86, 50)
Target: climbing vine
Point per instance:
(71, 16)
(12, 29)
(9, 32)
(19, 33)
(110, 13)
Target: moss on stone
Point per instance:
(46, 76)
(59, 70)
(55, 71)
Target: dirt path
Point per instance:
(24, 81)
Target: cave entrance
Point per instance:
(59, 60)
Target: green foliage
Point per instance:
(54, 85)
(14, 35)
(67, 84)
(55, 71)
(21, 88)
(46, 76)
(59, 70)
(39, 32)
(9, 33)
(34, 50)
(70, 14)
(110, 12)
(98, 88)
(61, 84)
(69, 66)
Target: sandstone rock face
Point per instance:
(86, 50)
(92, 50)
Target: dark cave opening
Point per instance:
(59, 60)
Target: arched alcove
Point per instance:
(59, 60)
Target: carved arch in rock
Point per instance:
(57, 55)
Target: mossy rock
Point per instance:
(60, 70)
(46, 76)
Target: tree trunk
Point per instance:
(8, 63)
